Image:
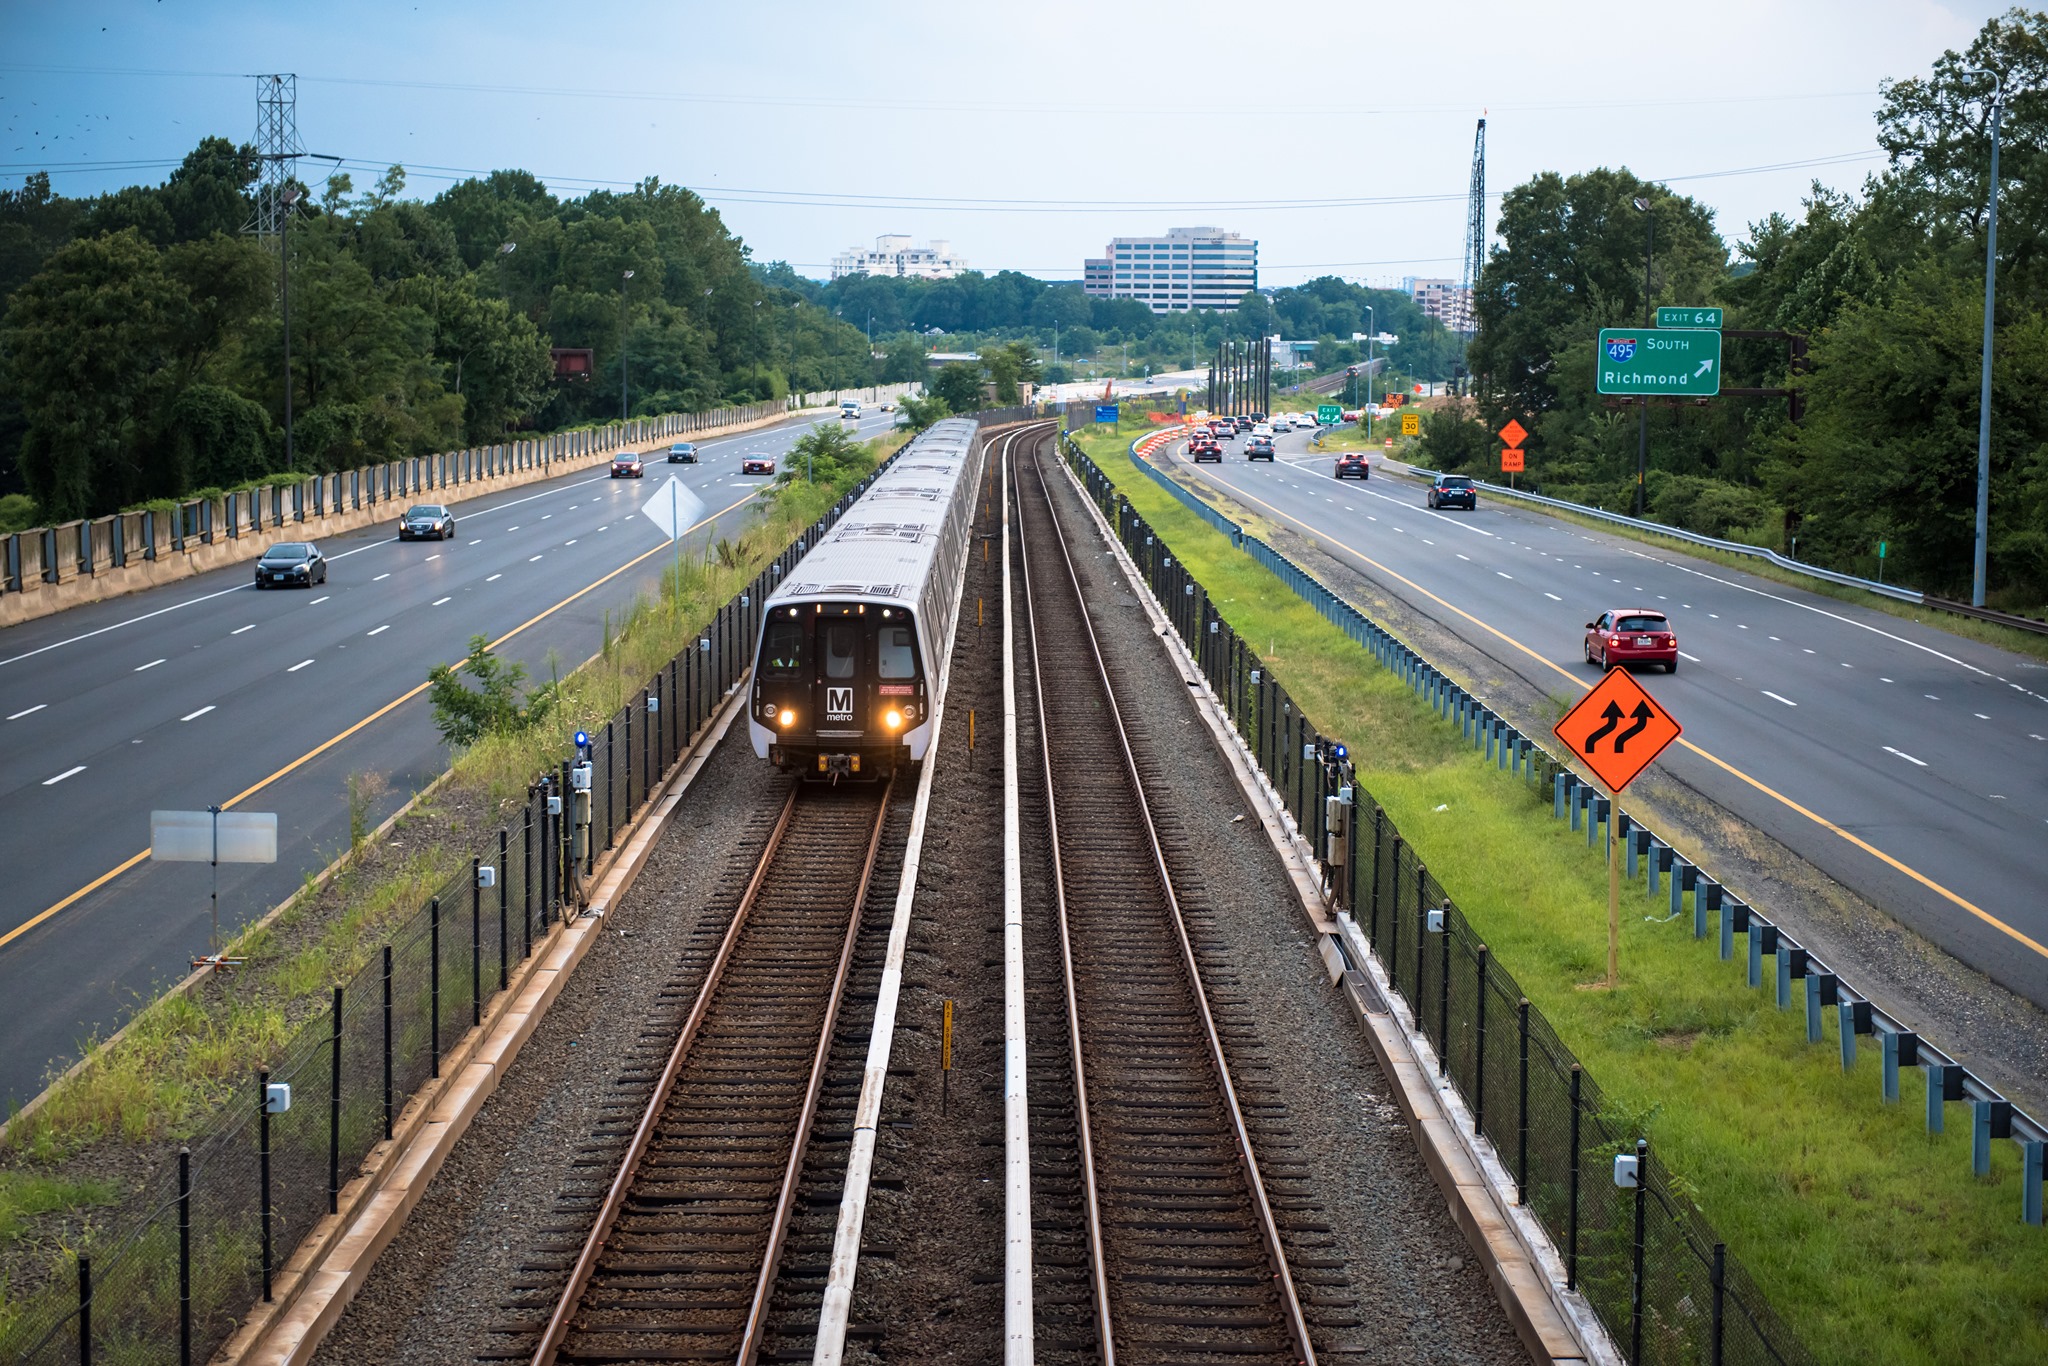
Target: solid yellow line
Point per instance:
(1822, 821)
(104, 878)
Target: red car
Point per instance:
(1205, 448)
(758, 464)
(628, 466)
(1633, 635)
(1354, 465)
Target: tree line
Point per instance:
(142, 345)
(1884, 288)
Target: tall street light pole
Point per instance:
(1978, 566)
(1642, 204)
(623, 409)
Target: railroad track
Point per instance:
(1185, 1256)
(679, 1263)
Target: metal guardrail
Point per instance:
(1716, 913)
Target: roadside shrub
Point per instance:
(465, 715)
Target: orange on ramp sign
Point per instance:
(1617, 729)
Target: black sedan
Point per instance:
(682, 453)
(422, 520)
(291, 564)
(1451, 491)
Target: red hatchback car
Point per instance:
(1632, 636)
(1205, 448)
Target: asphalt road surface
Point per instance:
(1908, 763)
(206, 690)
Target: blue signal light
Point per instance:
(1339, 752)
(582, 740)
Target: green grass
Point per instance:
(1871, 1238)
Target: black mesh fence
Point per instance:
(172, 1285)
(1644, 1256)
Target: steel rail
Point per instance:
(559, 1321)
(1085, 1138)
(1269, 1230)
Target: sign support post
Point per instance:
(1616, 730)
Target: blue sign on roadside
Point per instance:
(1105, 412)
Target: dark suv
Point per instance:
(1259, 448)
(1453, 490)
(1354, 465)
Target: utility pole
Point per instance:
(1642, 204)
(624, 410)
(1981, 560)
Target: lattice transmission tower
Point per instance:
(278, 149)
(1475, 230)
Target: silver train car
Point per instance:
(852, 657)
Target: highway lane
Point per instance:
(1906, 762)
(197, 692)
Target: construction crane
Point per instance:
(1475, 230)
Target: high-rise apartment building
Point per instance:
(1186, 269)
(1448, 301)
(894, 255)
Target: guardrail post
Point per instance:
(1573, 793)
(1728, 908)
(1991, 1119)
(1706, 901)
(1762, 939)
(1901, 1049)
(1660, 860)
(1682, 875)
(2033, 1154)
(334, 1114)
(1597, 815)
(1851, 1018)
(1791, 967)
(1937, 1091)
(1813, 1003)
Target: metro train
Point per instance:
(852, 656)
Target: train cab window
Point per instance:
(782, 656)
(842, 648)
(895, 653)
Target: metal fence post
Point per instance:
(1394, 918)
(476, 944)
(504, 908)
(1522, 1107)
(1720, 1284)
(85, 1305)
(526, 879)
(1443, 994)
(387, 1041)
(1571, 1238)
(263, 1166)
(184, 1256)
(334, 1114)
(1378, 819)
(434, 971)
(628, 709)
(611, 787)
(1635, 1312)
(1479, 1035)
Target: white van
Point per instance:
(849, 408)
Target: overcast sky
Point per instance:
(1027, 135)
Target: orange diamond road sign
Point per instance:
(1513, 433)
(1511, 461)
(1617, 729)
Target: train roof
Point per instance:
(885, 544)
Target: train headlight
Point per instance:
(788, 718)
(894, 718)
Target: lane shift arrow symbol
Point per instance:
(1613, 715)
(1642, 714)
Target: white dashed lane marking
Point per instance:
(298, 666)
(380, 630)
(1903, 755)
(195, 715)
(1775, 698)
(438, 601)
(239, 629)
(151, 665)
(67, 773)
(40, 705)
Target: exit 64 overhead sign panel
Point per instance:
(1643, 360)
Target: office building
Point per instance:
(1186, 269)
(893, 254)
(1448, 301)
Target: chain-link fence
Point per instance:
(175, 1283)
(1643, 1256)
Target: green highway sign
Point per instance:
(1634, 360)
(1328, 413)
(1689, 317)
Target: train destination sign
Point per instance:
(1638, 360)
